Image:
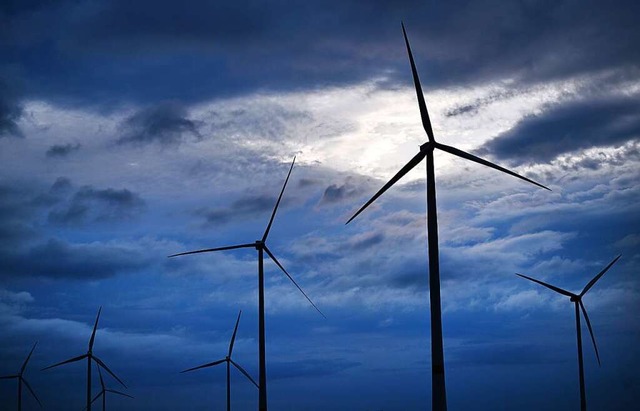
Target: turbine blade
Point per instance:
(233, 337)
(100, 375)
(273, 214)
(24, 365)
(74, 359)
(597, 277)
(593, 338)
(246, 374)
(118, 392)
(208, 250)
(465, 155)
(96, 397)
(552, 287)
(211, 364)
(424, 114)
(404, 170)
(103, 365)
(31, 391)
(275, 260)
(95, 327)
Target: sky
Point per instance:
(130, 131)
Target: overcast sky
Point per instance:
(134, 130)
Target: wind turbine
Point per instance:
(261, 246)
(229, 361)
(103, 392)
(89, 356)
(439, 397)
(576, 299)
(21, 380)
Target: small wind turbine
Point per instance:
(21, 380)
(261, 247)
(439, 396)
(229, 361)
(89, 356)
(104, 390)
(577, 300)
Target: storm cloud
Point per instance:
(565, 128)
(62, 150)
(166, 123)
(89, 204)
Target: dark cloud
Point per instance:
(338, 193)
(10, 112)
(94, 205)
(62, 150)
(246, 206)
(165, 123)
(271, 121)
(61, 184)
(566, 128)
(81, 51)
(18, 205)
(307, 182)
(59, 259)
(26, 250)
(473, 107)
(366, 241)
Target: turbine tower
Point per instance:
(104, 390)
(21, 380)
(261, 246)
(576, 299)
(229, 362)
(89, 356)
(439, 397)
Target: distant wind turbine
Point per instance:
(104, 390)
(229, 361)
(89, 356)
(261, 247)
(21, 380)
(439, 396)
(577, 300)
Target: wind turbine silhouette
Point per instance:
(104, 390)
(261, 247)
(576, 299)
(21, 380)
(439, 396)
(229, 361)
(89, 356)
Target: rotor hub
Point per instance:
(428, 146)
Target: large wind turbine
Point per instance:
(229, 361)
(104, 390)
(89, 356)
(576, 299)
(261, 246)
(439, 398)
(21, 380)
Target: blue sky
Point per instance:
(129, 132)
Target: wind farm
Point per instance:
(261, 247)
(90, 356)
(22, 380)
(131, 131)
(576, 299)
(228, 362)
